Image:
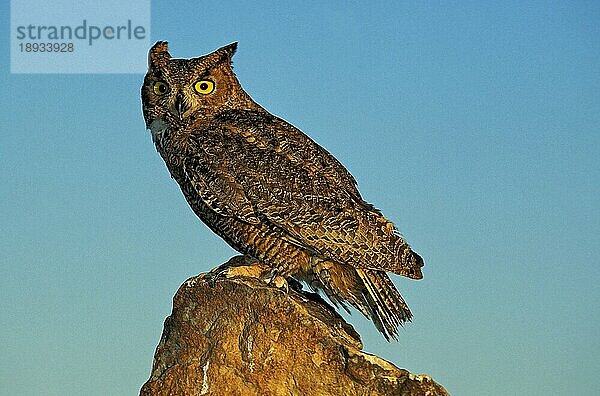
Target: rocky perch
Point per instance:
(238, 335)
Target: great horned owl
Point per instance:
(270, 191)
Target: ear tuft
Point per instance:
(229, 50)
(159, 54)
(221, 56)
(224, 54)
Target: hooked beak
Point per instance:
(180, 106)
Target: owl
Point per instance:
(269, 190)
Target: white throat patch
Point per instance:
(158, 127)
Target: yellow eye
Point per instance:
(160, 88)
(204, 87)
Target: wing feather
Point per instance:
(218, 190)
(270, 171)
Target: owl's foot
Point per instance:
(243, 266)
(272, 277)
(216, 273)
(236, 266)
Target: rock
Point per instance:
(242, 336)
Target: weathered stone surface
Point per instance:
(242, 336)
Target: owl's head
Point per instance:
(179, 91)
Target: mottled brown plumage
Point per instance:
(269, 191)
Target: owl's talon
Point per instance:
(281, 283)
(272, 278)
(215, 274)
(273, 275)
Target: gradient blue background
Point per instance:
(475, 128)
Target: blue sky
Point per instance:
(475, 128)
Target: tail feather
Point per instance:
(370, 291)
(387, 308)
